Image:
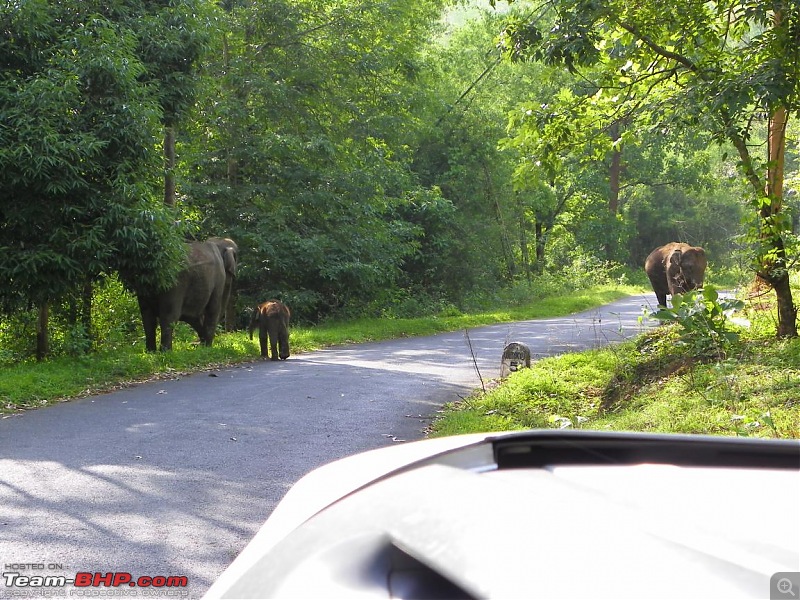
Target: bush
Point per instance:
(704, 317)
(115, 321)
(17, 336)
(115, 314)
(583, 272)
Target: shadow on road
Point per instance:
(174, 477)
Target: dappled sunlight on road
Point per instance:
(175, 476)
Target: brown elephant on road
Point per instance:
(199, 296)
(272, 319)
(675, 268)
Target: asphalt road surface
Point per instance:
(173, 478)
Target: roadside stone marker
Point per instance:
(516, 356)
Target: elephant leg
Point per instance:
(263, 339)
(273, 339)
(205, 330)
(166, 334)
(662, 299)
(150, 323)
(197, 325)
(209, 319)
(283, 341)
(208, 338)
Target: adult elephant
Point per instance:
(675, 268)
(198, 297)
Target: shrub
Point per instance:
(704, 318)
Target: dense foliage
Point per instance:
(300, 149)
(727, 68)
(380, 158)
(77, 158)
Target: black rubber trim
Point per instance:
(550, 448)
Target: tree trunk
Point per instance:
(169, 165)
(787, 311)
(615, 171)
(42, 332)
(540, 242)
(86, 311)
(232, 164)
(505, 243)
(775, 270)
(773, 267)
(523, 246)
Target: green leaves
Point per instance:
(301, 148)
(727, 68)
(704, 318)
(172, 38)
(78, 159)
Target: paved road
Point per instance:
(174, 477)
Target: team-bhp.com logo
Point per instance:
(92, 580)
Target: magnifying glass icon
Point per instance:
(785, 587)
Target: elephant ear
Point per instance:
(675, 258)
(229, 258)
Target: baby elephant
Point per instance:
(272, 318)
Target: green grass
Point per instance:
(648, 384)
(31, 384)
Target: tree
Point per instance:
(76, 158)
(496, 221)
(171, 40)
(300, 148)
(725, 67)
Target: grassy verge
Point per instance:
(30, 385)
(646, 385)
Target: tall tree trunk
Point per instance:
(169, 165)
(775, 270)
(523, 246)
(232, 164)
(540, 242)
(775, 267)
(615, 171)
(42, 332)
(86, 311)
(493, 200)
(614, 182)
